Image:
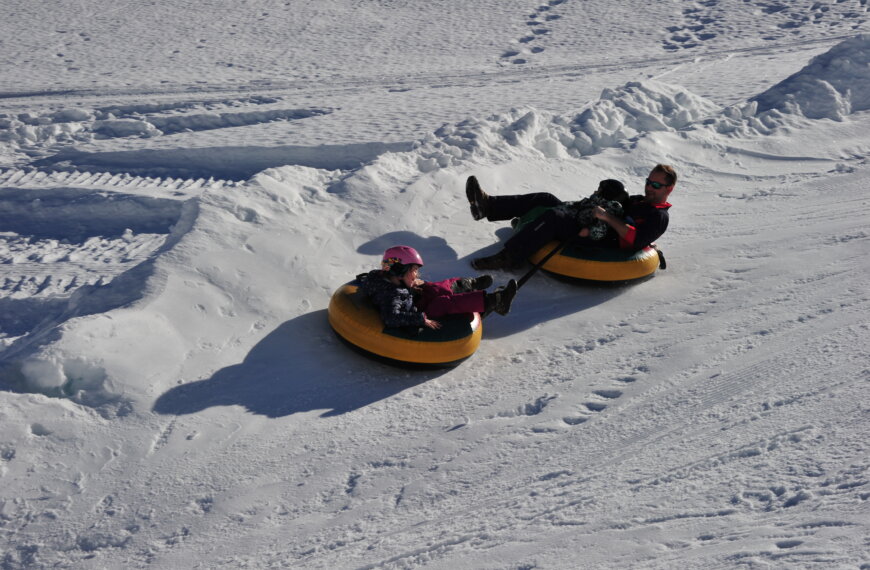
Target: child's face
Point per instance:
(410, 276)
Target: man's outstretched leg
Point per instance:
(498, 208)
(551, 225)
(525, 242)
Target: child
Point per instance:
(404, 299)
(611, 196)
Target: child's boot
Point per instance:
(501, 300)
(469, 284)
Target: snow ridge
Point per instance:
(616, 118)
(825, 88)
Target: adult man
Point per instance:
(645, 219)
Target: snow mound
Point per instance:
(89, 344)
(69, 253)
(632, 110)
(616, 118)
(832, 86)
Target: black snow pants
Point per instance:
(555, 224)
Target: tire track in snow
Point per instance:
(761, 350)
(727, 386)
(541, 525)
(179, 187)
(46, 140)
(574, 493)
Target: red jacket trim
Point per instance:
(628, 241)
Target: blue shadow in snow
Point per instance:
(543, 298)
(299, 367)
(439, 257)
(228, 163)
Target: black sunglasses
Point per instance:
(655, 185)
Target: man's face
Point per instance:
(657, 195)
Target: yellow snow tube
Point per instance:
(356, 321)
(598, 264)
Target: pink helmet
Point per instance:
(397, 259)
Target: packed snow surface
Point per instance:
(182, 188)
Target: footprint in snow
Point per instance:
(591, 406)
(608, 394)
(538, 30)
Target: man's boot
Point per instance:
(477, 198)
(501, 260)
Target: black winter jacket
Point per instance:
(649, 220)
(582, 211)
(394, 302)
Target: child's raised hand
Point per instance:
(584, 232)
(431, 324)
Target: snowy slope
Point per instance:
(182, 189)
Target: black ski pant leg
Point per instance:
(507, 207)
(551, 225)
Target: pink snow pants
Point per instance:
(438, 299)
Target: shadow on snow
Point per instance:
(543, 298)
(299, 367)
(302, 366)
(228, 163)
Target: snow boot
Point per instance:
(501, 300)
(500, 260)
(477, 198)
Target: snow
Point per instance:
(182, 188)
